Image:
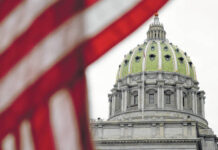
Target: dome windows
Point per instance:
(152, 57)
(152, 47)
(137, 58)
(181, 59)
(190, 64)
(126, 62)
(165, 48)
(140, 49)
(167, 57)
(130, 52)
(177, 50)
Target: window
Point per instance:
(152, 48)
(151, 98)
(167, 98)
(177, 50)
(130, 52)
(165, 48)
(185, 54)
(135, 100)
(140, 49)
(167, 57)
(152, 57)
(126, 62)
(190, 64)
(184, 99)
(137, 58)
(181, 59)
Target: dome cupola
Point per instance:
(156, 30)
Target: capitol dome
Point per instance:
(156, 54)
(155, 102)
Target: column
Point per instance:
(194, 101)
(140, 96)
(179, 97)
(202, 99)
(113, 104)
(124, 98)
(143, 94)
(181, 100)
(160, 94)
(202, 106)
(110, 104)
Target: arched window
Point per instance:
(184, 100)
(118, 101)
(167, 97)
(181, 59)
(152, 57)
(167, 57)
(140, 49)
(190, 64)
(137, 58)
(126, 62)
(133, 101)
(151, 98)
(165, 48)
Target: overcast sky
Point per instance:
(192, 25)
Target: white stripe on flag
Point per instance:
(8, 143)
(63, 121)
(20, 19)
(26, 136)
(56, 46)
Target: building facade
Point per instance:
(155, 103)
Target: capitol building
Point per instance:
(155, 103)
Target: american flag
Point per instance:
(45, 47)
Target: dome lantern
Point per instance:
(156, 30)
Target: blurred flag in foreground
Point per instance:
(45, 46)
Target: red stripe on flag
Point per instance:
(17, 138)
(41, 128)
(50, 20)
(120, 29)
(6, 6)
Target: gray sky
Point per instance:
(192, 25)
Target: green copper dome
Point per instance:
(156, 54)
